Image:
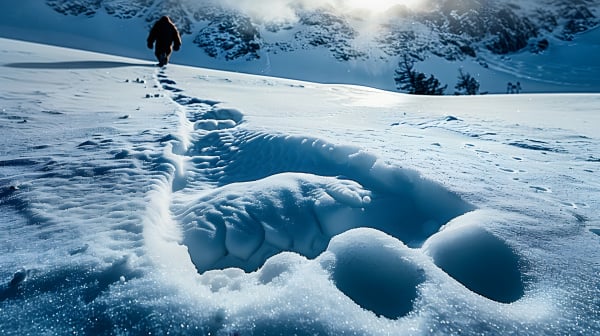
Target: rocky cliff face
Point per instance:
(229, 36)
(459, 29)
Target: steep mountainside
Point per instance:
(365, 45)
(450, 29)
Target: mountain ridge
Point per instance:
(500, 27)
(472, 31)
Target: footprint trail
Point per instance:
(240, 197)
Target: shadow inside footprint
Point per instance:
(479, 260)
(375, 270)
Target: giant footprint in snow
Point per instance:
(279, 193)
(242, 224)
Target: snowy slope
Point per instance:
(191, 201)
(495, 41)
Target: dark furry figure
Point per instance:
(166, 35)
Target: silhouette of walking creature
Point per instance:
(166, 36)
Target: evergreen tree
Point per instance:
(467, 85)
(413, 82)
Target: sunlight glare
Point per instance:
(378, 5)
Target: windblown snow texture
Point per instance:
(146, 200)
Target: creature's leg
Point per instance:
(165, 54)
(161, 56)
(168, 55)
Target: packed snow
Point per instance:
(181, 200)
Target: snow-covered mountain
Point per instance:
(495, 41)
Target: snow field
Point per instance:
(133, 206)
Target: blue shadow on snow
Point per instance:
(75, 65)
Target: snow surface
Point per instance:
(190, 201)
